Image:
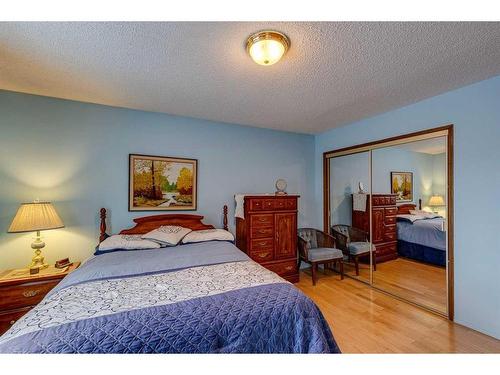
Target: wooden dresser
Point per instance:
(20, 295)
(268, 234)
(384, 224)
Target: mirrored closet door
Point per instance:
(349, 214)
(389, 205)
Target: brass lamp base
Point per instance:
(38, 260)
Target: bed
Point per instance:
(206, 297)
(420, 238)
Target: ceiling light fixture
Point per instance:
(267, 47)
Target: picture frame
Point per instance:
(162, 183)
(402, 186)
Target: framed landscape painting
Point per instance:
(402, 185)
(158, 183)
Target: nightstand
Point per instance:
(18, 295)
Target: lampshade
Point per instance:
(436, 200)
(35, 216)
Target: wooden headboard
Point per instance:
(405, 208)
(148, 223)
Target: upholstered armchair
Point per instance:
(317, 247)
(354, 243)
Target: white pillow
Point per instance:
(426, 214)
(167, 235)
(208, 235)
(126, 242)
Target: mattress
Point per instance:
(198, 298)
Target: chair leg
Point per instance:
(356, 264)
(313, 271)
(374, 260)
(341, 266)
(299, 263)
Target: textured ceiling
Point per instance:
(333, 74)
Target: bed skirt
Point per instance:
(422, 253)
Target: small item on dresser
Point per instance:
(34, 270)
(361, 188)
(281, 187)
(63, 263)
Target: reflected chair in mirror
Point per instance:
(354, 244)
(317, 247)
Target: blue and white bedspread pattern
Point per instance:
(98, 298)
(229, 307)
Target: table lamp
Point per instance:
(32, 217)
(436, 201)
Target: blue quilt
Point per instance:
(152, 302)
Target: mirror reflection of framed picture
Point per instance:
(402, 186)
(158, 183)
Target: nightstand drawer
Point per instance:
(29, 294)
(7, 319)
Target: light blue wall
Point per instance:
(345, 174)
(475, 112)
(394, 159)
(76, 155)
(439, 174)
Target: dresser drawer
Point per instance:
(390, 236)
(8, 318)
(280, 204)
(262, 232)
(13, 297)
(262, 255)
(262, 244)
(391, 211)
(387, 249)
(390, 219)
(390, 228)
(262, 204)
(291, 204)
(283, 268)
(262, 220)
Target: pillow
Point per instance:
(208, 235)
(167, 235)
(426, 214)
(125, 242)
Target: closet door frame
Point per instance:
(441, 131)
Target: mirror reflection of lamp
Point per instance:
(436, 201)
(36, 216)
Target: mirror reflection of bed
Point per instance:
(407, 211)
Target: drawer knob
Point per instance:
(288, 268)
(262, 219)
(30, 293)
(12, 322)
(263, 255)
(262, 243)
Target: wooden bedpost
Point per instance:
(224, 220)
(103, 234)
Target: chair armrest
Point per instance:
(325, 240)
(358, 235)
(303, 249)
(341, 241)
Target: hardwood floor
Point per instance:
(424, 284)
(364, 320)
